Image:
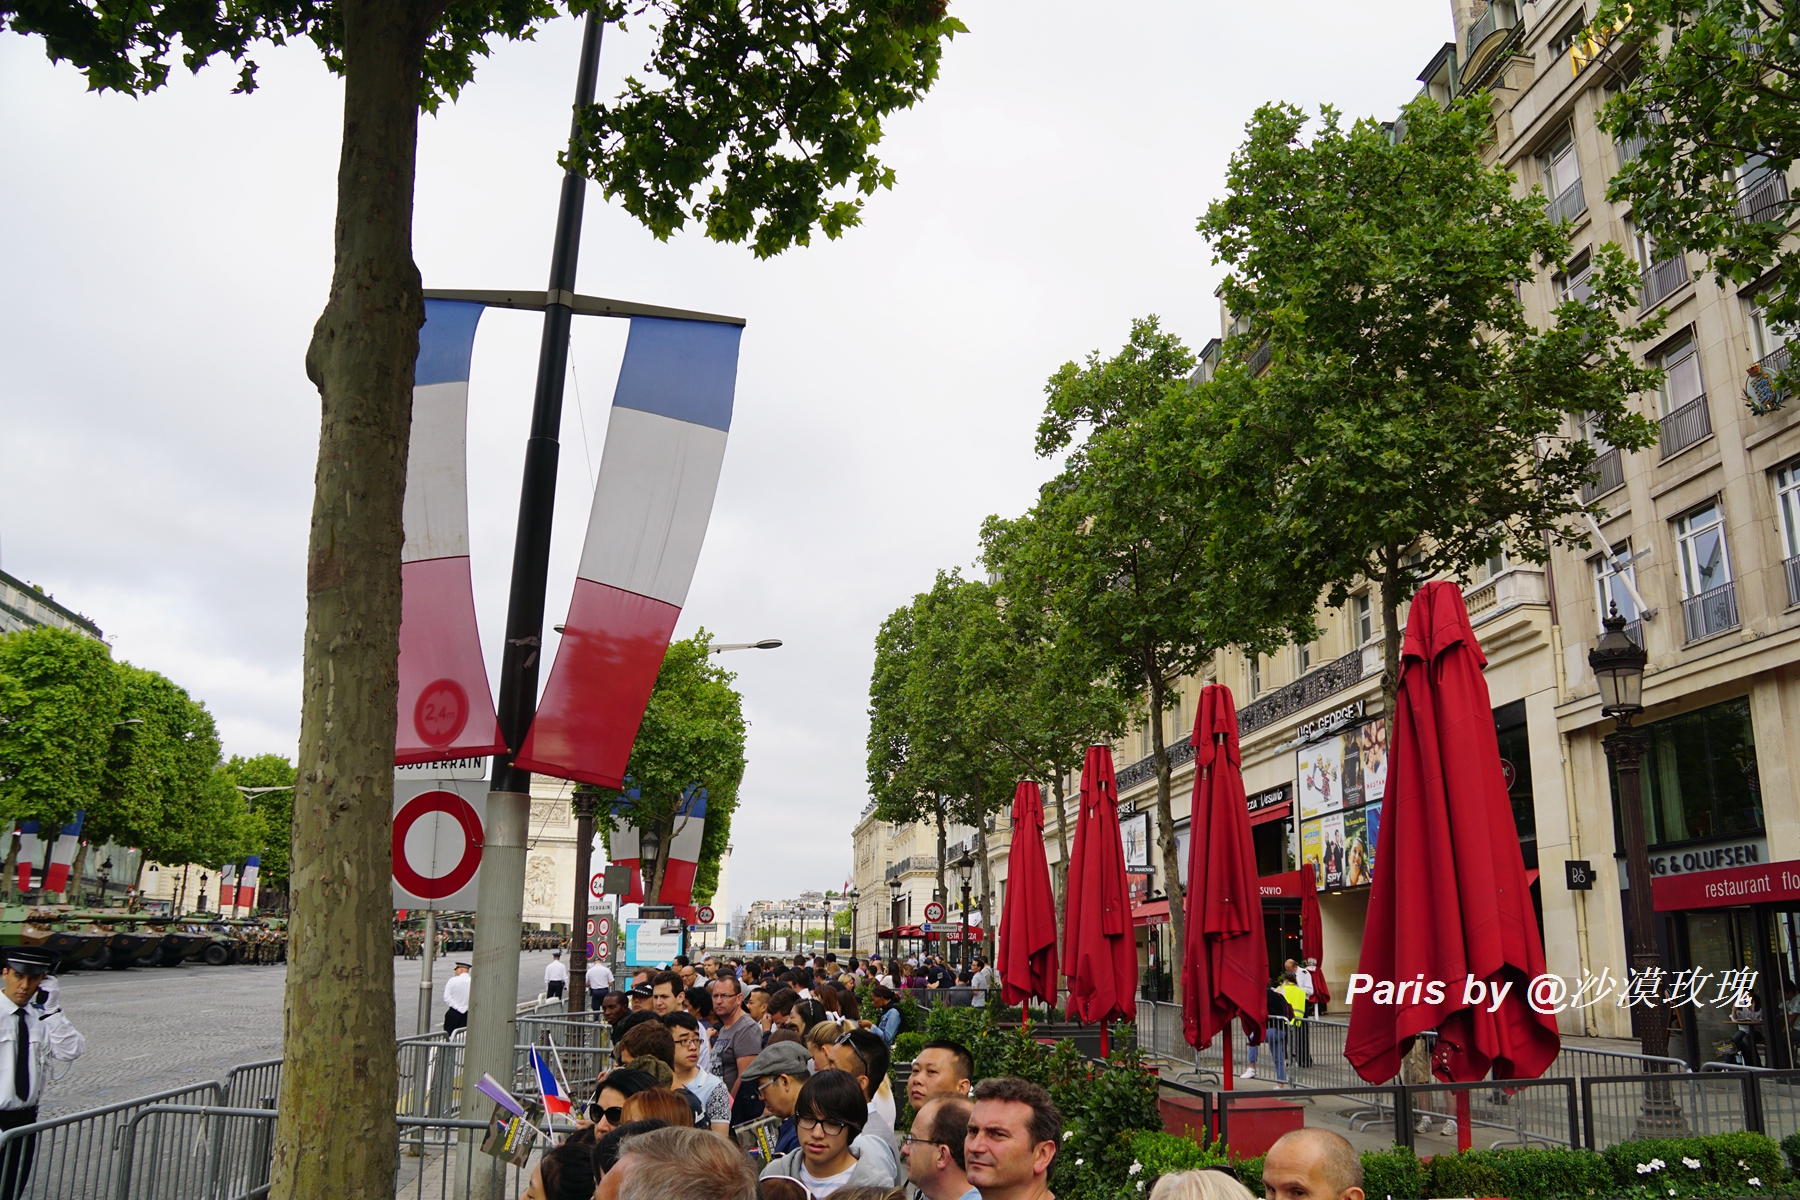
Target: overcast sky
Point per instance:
(165, 260)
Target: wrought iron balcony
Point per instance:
(1608, 475)
(1685, 426)
(1765, 199)
(906, 866)
(1259, 358)
(1662, 278)
(1478, 32)
(1792, 567)
(1710, 612)
(1571, 203)
(1304, 692)
(1145, 768)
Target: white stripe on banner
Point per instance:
(436, 512)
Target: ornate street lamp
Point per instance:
(965, 867)
(894, 928)
(1618, 665)
(853, 897)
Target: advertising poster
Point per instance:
(1321, 774)
(654, 943)
(1312, 849)
(1359, 855)
(1350, 754)
(1135, 832)
(1331, 831)
(1372, 749)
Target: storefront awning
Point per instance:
(1151, 912)
(1285, 886)
(1275, 812)
(1767, 883)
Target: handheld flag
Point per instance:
(554, 1100)
(62, 856)
(490, 1087)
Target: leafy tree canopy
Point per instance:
(59, 697)
(272, 811)
(1711, 94)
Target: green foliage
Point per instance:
(272, 812)
(777, 106)
(1468, 1174)
(1162, 1153)
(1716, 102)
(969, 1026)
(1397, 1173)
(760, 122)
(1407, 405)
(1727, 1163)
(1249, 1172)
(59, 699)
(906, 1047)
(1104, 1106)
(692, 733)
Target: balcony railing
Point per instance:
(1664, 277)
(1710, 612)
(918, 862)
(1765, 199)
(1478, 32)
(1259, 358)
(1304, 692)
(1685, 426)
(1792, 567)
(1608, 475)
(1569, 205)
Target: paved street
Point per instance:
(150, 1029)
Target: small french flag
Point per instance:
(554, 1100)
(62, 856)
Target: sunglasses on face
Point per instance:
(612, 1116)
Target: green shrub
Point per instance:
(1159, 1153)
(1250, 1174)
(1791, 1143)
(1665, 1162)
(1551, 1172)
(1736, 1158)
(1397, 1173)
(966, 1025)
(906, 1048)
(1468, 1174)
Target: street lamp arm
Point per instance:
(765, 644)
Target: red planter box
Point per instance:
(1255, 1125)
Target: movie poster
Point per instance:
(1312, 850)
(1321, 776)
(1331, 832)
(1359, 857)
(1372, 750)
(1372, 822)
(1351, 785)
(1134, 832)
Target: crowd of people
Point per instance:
(769, 1080)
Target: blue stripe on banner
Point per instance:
(693, 803)
(684, 370)
(447, 342)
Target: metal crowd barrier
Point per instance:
(74, 1155)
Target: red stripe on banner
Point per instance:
(612, 647)
(635, 893)
(678, 882)
(446, 709)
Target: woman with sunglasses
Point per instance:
(617, 1086)
(829, 1115)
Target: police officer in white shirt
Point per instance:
(456, 999)
(555, 976)
(33, 1030)
(599, 982)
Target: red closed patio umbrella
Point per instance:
(1312, 938)
(1449, 899)
(1028, 921)
(1099, 947)
(1225, 961)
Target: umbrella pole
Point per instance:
(1462, 1121)
(1227, 1036)
(1105, 1045)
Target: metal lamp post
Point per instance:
(965, 867)
(853, 897)
(1618, 665)
(894, 927)
(585, 802)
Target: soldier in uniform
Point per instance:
(33, 1030)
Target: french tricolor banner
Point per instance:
(62, 856)
(665, 443)
(626, 851)
(30, 846)
(684, 851)
(246, 890)
(228, 887)
(446, 709)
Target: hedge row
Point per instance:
(1720, 1165)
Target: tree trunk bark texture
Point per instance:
(943, 848)
(75, 870)
(1165, 824)
(1061, 875)
(1390, 584)
(336, 1134)
(982, 850)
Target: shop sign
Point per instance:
(1762, 884)
(1718, 856)
(1330, 722)
(1270, 798)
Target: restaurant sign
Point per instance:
(1765, 883)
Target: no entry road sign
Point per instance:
(437, 842)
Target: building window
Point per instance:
(1562, 181)
(1303, 657)
(1515, 761)
(1610, 591)
(1709, 603)
(1496, 564)
(1681, 384)
(1787, 505)
(1362, 611)
(1253, 674)
(1566, 36)
(1576, 283)
(1700, 776)
(1766, 338)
